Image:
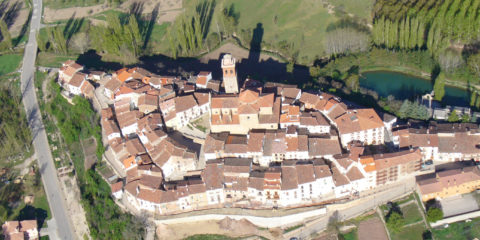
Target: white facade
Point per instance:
(131, 129)
(215, 196)
(374, 136)
(290, 197)
(316, 128)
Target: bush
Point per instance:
(434, 214)
(395, 221)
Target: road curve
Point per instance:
(61, 223)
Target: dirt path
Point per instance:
(236, 51)
(24, 167)
(227, 226)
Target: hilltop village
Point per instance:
(266, 145)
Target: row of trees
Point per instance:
(15, 137)
(190, 33)
(430, 23)
(346, 40)
(6, 40)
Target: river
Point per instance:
(403, 86)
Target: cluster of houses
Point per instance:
(269, 145)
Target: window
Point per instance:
(231, 71)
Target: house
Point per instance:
(178, 112)
(289, 193)
(111, 88)
(314, 122)
(75, 83)
(26, 229)
(323, 147)
(202, 79)
(68, 70)
(448, 183)
(290, 116)
(117, 189)
(128, 122)
(87, 89)
(362, 125)
(214, 181)
(236, 172)
(324, 184)
(203, 100)
(111, 129)
(394, 166)
(147, 103)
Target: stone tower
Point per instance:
(229, 74)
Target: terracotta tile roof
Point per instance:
(213, 175)
(129, 162)
(77, 80)
(354, 174)
(123, 75)
(290, 92)
(448, 179)
(310, 99)
(418, 140)
(344, 161)
(150, 181)
(237, 165)
(323, 146)
(274, 142)
(184, 103)
(202, 98)
(460, 142)
(107, 113)
(255, 141)
(127, 119)
(338, 178)
(215, 142)
(225, 120)
(113, 84)
(248, 96)
(368, 163)
(146, 99)
(238, 183)
(272, 118)
(87, 88)
(305, 173)
(110, 127)
(214, 85)
(289, 178)
(358, 120)
(135, 147)
(321, 171)
(223, 101)
(387, 160)
(256, 180)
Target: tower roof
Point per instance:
(228, 60)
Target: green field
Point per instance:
(303, 23)
(412, 232)
(352, 235)
(9, 63)
(360, 8)
(459, 230)
(411, 213)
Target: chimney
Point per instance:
(455, 146)
(437, 176)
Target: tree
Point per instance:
(450, 60)
(6, 37)
(434, 214)
(346, 40)
(474, 63)
(405, 109)
(314, 71)
(439, 87)
(395, 221)
(353, 82)
(290, 66)
(453, 117)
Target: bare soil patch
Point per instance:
(372, 229)
(238, 52)
(168, 10)
(227, 226)
(53, 15)
(89, 149)
(15, 14)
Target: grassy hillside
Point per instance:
(302, 22)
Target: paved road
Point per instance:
(63, 227)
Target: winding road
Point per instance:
(60, 227)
